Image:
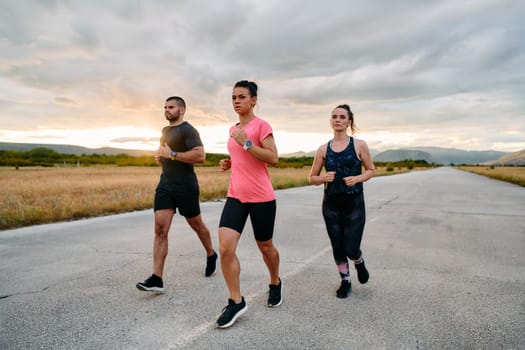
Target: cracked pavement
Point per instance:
(444, 249)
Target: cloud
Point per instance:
(403, 66)
(135, 139)
(64, 100)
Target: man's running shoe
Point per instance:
(231, 312)
(152, 284)
(362, 272)
(211, 263)
(344, 289)
(274, 295)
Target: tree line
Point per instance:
(46, 157)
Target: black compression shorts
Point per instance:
(262, 216)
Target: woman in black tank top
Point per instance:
(343, 206)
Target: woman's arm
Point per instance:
(267, 153)
(317, 166)
(364, 155)
(366, 159)
(368, 164)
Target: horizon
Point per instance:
(219, 146)
(280, 153)
(97, 74)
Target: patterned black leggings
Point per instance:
(344, 217)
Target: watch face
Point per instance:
(247, 144)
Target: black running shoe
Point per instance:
(362, 272)
(152, 284)
(274, 296)
(231, 312)
(344, 289)
(211, 261)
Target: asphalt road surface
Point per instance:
(445, 250)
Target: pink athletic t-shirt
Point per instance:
(249, 180)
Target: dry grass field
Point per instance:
(31, 196)
(515, 175)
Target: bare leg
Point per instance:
(202, 231)
(271, 259)
(160, 243)
(231, 268)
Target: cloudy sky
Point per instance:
(415, 73)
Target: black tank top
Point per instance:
(344, 163)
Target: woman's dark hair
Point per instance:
(250, 85)
(350, 116)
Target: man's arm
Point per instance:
(193, 156)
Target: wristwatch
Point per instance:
(247, 145)
(173, 155)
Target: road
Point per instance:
(445, 250)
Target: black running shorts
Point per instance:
(262, 216)
(168, 198)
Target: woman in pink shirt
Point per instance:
(252, 147)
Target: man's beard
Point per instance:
(172, 118)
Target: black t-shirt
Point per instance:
(179, 175)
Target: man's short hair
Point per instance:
(179, 100)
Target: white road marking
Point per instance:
(203, 328)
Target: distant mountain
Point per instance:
(299, 154)
(458, 156)
(514, 158)
(70, 149)
(397, 155)
(439, 155)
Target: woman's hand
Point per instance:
(329, 176)
(225, 164)
(239, 135)
(350, 181)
